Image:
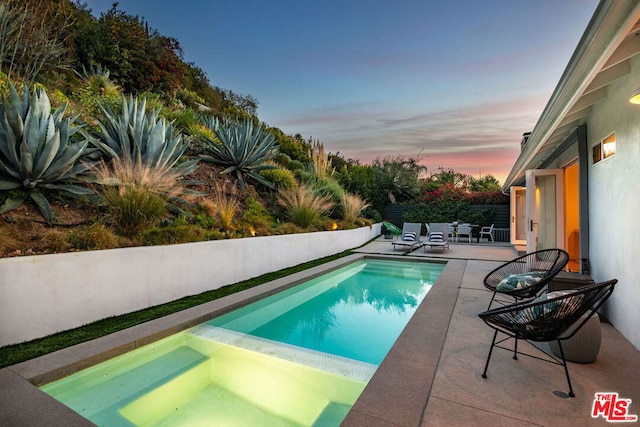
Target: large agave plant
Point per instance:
(36, 151)
(143, 141)
(243, 148)
(141, 137)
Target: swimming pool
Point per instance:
(300, 357)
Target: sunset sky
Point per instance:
(455, 83)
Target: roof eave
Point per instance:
(608, 26)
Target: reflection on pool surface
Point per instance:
(300, 357)
(371, 299)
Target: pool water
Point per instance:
(298, 358)
(334, 312)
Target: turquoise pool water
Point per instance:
(333, 313)
(298, 358)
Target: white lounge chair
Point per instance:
(410, 237)
(438, 236)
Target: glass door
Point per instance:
(545, 209)
(518, 215)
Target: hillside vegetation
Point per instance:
(109, 138)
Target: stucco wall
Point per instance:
(614, 202)
(41, 295)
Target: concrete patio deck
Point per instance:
(431, 376)
(516, 392)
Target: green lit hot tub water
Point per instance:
(298, 358)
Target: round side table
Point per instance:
(584, 346)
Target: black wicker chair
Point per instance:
(548, 318)
(545, 264)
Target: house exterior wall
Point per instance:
(614, 202)
(44, 294)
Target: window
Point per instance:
(597, 153)
(605, 149)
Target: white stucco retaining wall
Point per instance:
(44, 294)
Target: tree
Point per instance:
(246, 103)
(293, 146)
(196, 80)
(398, 178)
(486, 183)
(163, 69)
(34, 36)
(447, 177)
(139, 59)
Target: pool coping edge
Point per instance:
(38, 407)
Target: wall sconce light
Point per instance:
(635, 98)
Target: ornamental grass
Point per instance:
(304, 206)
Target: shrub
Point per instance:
(295, 165)
(173, 234)
(183, 119)
(303, 206)
(447, 212)
(282, 160)
(188, 97)
(280, 178)
(8, 243)
(54, 241)
(488, 198)
(257, 216)
(288, 228)
(94, 237)
(372, 214)
(329, 187)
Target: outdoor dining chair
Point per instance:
(464, 230)
(488, 232)
(526, 277)
(554, 316)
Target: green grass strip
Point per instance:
(17, 353)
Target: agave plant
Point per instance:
(142, 137)
(243, 148)
(97, 88)
(97, 82)
(37, 152)
(144, 141)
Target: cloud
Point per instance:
(482, 138)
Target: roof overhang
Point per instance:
(603, 53)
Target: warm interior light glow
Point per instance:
(609, 146)
(635, 98)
